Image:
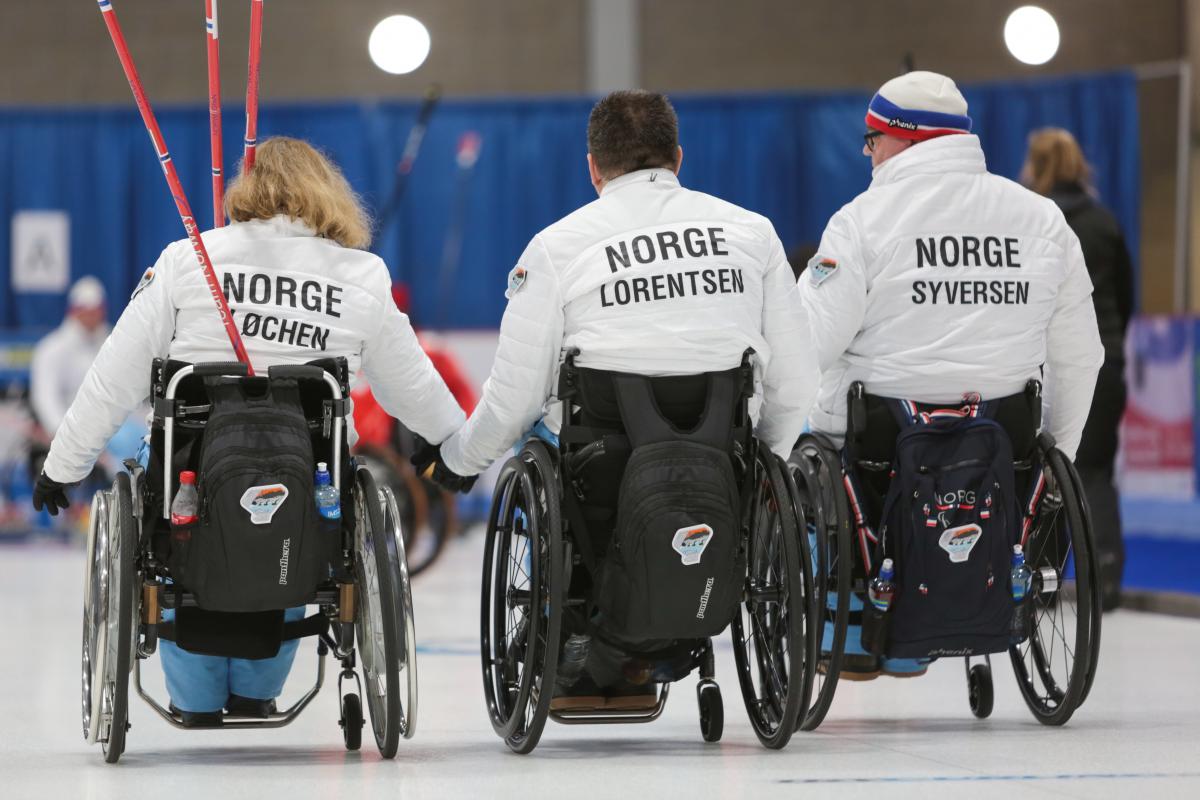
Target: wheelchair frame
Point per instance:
(124, 593)
(520, 649)
(821, 474)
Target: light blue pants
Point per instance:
(203, 683)
(538, 431)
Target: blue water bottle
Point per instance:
(329, 504)
(1021, 578)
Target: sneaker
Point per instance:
(582, 695)
(632, 697)
(585, 695)
(855, 667)
(905, 667)
(238, 706)
(198, 719)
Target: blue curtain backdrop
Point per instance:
(795, 158)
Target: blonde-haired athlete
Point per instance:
(298, 289)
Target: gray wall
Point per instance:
(56, 52)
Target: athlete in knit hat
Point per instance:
(915, 107)
(942, 281)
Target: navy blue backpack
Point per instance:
(950, 520)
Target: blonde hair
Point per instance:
(1054, 157)
(292, 177)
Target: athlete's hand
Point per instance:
(49, 494)
(429, 465)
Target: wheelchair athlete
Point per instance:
(651, 279)
(299, 289)
(945, 285)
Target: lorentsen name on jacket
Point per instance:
(668, 245)
(952, 252)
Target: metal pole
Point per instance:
(214, 115)
(1183, 180)
(168, 168)
(1182, 71)
(251, 140)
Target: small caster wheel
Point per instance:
(712, 710)
(981, 692)
(352, 721)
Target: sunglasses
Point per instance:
(869, 138)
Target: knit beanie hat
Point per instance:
(919, 106)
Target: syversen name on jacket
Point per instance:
(951, 252)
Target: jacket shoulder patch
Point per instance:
(821, 268)
(516, 279)
(147, 277)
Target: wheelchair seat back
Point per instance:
(949, 520)
(259, 543)
(673, 567)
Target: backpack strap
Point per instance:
(644, 421)
(908, 412)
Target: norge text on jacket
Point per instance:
(969, 251)
(280, 291)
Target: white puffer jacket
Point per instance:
(942, 279)
(294, 296)
(653, 279)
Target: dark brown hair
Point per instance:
(631, 130)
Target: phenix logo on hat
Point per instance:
(919, 106)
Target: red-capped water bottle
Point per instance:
(185, 508)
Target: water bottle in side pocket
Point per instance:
(329, 504)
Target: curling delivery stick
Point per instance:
(214, 113)
(251, 143)
(164, 158)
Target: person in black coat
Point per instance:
(1055, 167)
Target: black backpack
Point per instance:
(950, 520)
(675, 567)
(259, 543)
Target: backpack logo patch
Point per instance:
(690, 542)
(261, 502)
(960, 541)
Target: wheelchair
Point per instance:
(841, 493)
(545, 555)
(361, 589)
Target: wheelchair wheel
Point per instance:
(981, 693)
(521, 606)
(1096, 604)
(770, 629)
(1055, 665)
(712, 710)
(408, 657)
(109, 618)
(815, 468)
(383, 615)
(352, 722)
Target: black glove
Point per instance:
(49, 494)
(429, 465)
(424, 455)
